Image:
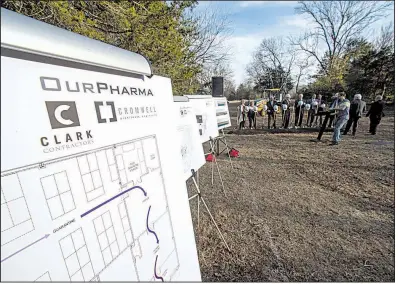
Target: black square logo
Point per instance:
(62, 114)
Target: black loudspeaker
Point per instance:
(217, 86)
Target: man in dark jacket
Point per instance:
(357, 108)
(299, 110)
(311, 113)
(335, 102)
(270, 111)
(321, 107)
(375, 114)
(286, 113)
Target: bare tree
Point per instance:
(302, 65)
(212, 31)
(386, 38)
(274, 55)
(335, 23)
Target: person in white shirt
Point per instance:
(241, 118)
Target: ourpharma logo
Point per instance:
(62, 114)
(100, 110)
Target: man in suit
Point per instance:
(375, 114)
(357, 108)
(270, 111)
(320, 108)
(299, 110)
(286, 113)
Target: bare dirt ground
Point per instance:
(299, 211)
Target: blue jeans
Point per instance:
(339, 125)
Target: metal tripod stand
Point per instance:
(213, 153)
(200, 199)
(223, 139)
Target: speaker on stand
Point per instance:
(217, 86)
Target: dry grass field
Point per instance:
(301, 211)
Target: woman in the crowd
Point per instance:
(357, 108)
(252, 110)
(375, 114)
(241, 115)
(299, 110)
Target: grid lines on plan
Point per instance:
(76, 256)
(58, 194)
(16, 220)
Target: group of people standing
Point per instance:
(346, 113)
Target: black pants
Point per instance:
(352, 121)
(271, 116)
(310, 118)
(252, 119)
(374, 121)
(296, 120)
(286, 118)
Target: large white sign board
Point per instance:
(191, 148)
(222, 113)
(91, 186)
(205, 113)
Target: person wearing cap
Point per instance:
(286, 111)
(311, 113)
(343, 111)
(357, 108)
(333, 105)
(375, 114)
(271, 112)
(299, 110)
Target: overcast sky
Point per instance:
(252, 21)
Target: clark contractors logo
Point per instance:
(108, 112)
(63, 114)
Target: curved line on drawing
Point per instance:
(147, 225)
(154, 270)
(110, 199)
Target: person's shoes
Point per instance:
(344, 133)
(334, 143)
(353, 134)
(373, 133)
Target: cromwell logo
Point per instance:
(99, 109)
(62, 114)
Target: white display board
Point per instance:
(222, 112)
(191, 149)
(91, 178)
(205, 113)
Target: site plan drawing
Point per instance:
(191, 149)
(205, 113)
(126, 217)
(92, 179)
